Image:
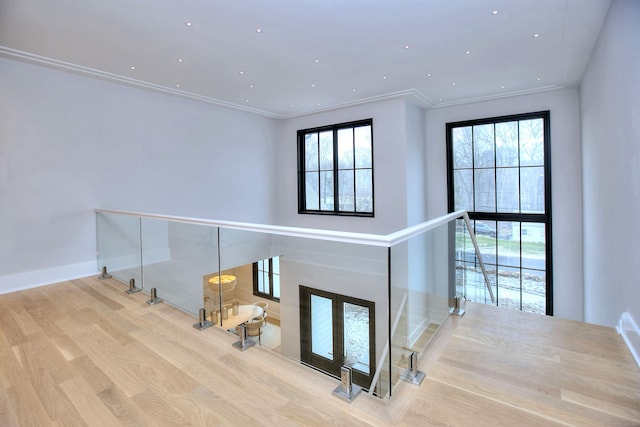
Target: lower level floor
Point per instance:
(83, 352)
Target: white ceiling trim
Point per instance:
(497, 96)
(418, 96)
(102, 75)
(422, 100)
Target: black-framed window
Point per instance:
(499, 171)
(266, 278)
(335, 169)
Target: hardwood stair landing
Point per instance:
(84, 353)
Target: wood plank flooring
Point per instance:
(85, 353)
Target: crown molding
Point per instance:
(498, 96)
(103, 75)
(414, 94)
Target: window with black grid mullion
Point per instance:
(336, 169)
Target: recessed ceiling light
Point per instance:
(246, 100)
(353, 90)
(406, 46)
(502, 87)
(440, 99)
(468, 52)
(177, 84)
(536, 35)
(319, 104)
(316, 60)
(291, 105)
(384, 77)
(453, 84)
(251, 86)
(313, 85)
(179, 59)
(188, 23)
(495, 12)
(428, 74)
(132, 68)
(241, 72)
(258, 30)
(538, 78)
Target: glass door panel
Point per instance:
(335, 331)
(322, 326)
(356, 337)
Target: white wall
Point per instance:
(610, 110)
(416, 180)
(389, 169)
(565, 175)
(345, 269)
(69, 144)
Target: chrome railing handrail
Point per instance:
(310, 233)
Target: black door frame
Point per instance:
(332, 367)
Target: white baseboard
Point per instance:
(47, 276)
(629, 330)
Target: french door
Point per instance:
(337, 330)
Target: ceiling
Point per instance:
(287, 58)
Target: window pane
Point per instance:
(261, 286)
(507, 190)
(534, 289)
(483, 146)
(364, 190)
(311, 191)
(532, 190)
(345, 149)
(462, 147)
(533, 245)
(276, 286)
(509, 243)
(275, 263)
(363, 146)
(326, 191)
(463, 187)
(311, 151)
(531, 142)
(507, 144)
(326, 150)
(509, 288)
(485, 190)
(322, 326)
(356, 337)
(265, 280)
(346, 190)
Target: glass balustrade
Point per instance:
(335, 299)
(119, 246)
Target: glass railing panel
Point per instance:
(177, 260)
(351, 294)
(470, 281)
(118, 246)
(239, 250)
(423, 281)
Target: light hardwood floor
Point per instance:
(85, 353)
